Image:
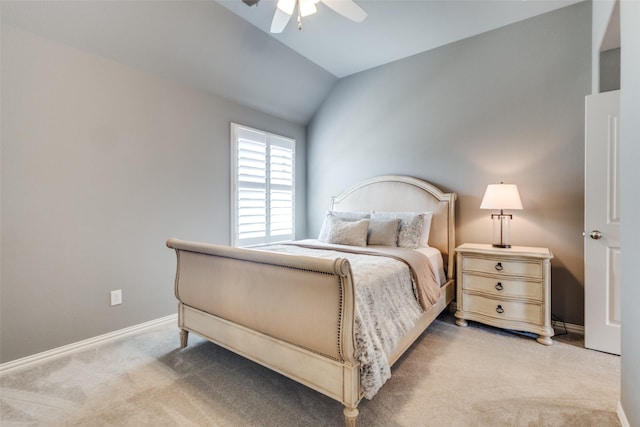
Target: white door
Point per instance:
(602, 223)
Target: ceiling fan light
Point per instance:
(287, 6)
(307, 7)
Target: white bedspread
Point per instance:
(386, 309)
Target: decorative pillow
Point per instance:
(410, 232)
(345, 216)
(412, 224)
(383, 232)
(353, 233)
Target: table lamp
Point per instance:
(501, 196)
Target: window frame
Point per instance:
(270, 141)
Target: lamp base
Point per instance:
(501, 233)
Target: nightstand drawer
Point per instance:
(509, 310)
(502, 287)
(503, 267)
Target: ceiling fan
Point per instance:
(285, 9)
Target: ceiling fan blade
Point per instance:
(347, 8)
(280, 20)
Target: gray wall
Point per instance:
(101, 163)
(610, 70)
(507, 105)
(630, 207)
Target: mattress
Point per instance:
(435, 258)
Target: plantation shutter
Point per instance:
(263, 194)
(280, 188)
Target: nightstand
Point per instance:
(507, 288)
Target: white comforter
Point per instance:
(386, 309)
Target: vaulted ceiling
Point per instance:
(393, 29)
(225, 47)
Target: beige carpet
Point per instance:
(475, 376)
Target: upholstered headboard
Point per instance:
(396, 193)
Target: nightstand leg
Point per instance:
(461, 322)
(545, 340)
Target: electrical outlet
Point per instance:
(116, 297)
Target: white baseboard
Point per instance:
(29, 361)
(622, 416)
(572, 328)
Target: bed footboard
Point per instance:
(290, 313)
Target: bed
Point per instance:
(295, 312)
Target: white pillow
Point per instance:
(426, 229)
(414, 227)
(383, 232)
(352, 233)
(345, 216)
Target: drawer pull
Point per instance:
(499, 266)
(499, 286)
(499, 309)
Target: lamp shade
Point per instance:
(501, 196)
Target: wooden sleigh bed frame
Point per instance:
(251, 302)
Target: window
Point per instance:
(263, 177)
